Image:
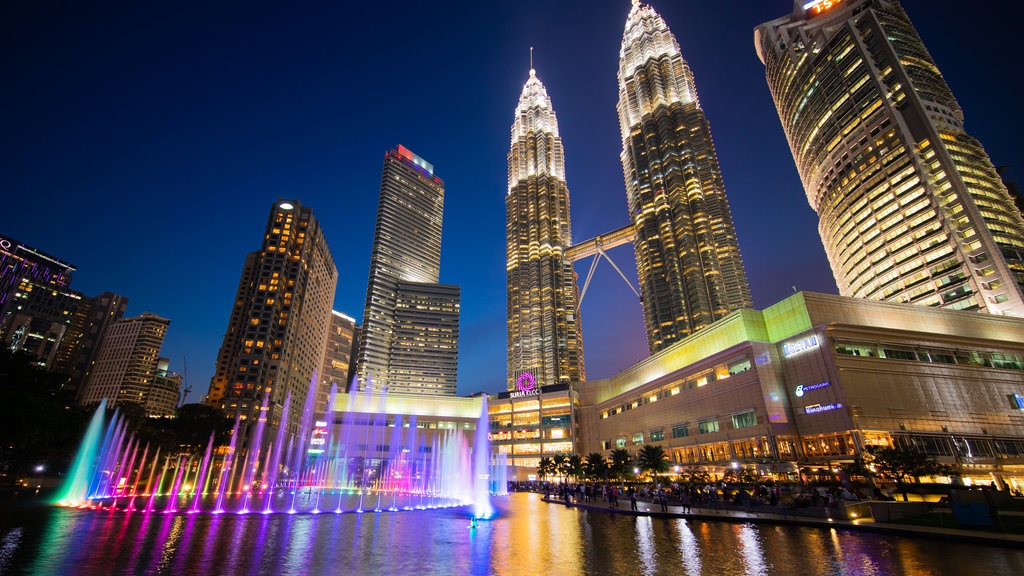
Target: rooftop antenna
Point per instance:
(531, 57)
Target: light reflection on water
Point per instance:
(527, 537)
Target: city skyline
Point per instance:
(265, 103)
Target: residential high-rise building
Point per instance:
(129, 369)
(277, 333)
(90, 322)
(406, 253)
(36, 300)
(687, 254)
(910, 207)
(545, 338)
(338, 354)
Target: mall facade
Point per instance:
(809, 382)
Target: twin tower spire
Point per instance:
(687, 254)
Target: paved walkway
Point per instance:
(767, 515)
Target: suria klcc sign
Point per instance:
(526, 385)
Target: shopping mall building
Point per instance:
(808, 382)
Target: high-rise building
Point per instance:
(910, 207)
(406, 252)
(336, 369)
(90, 322)
(128, 367)
(545, 338)
(277, 333)
(687, 254)
(36, 300)
(425, 339)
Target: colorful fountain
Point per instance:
(370, 452)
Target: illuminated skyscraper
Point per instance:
(687, 254)
(403, 297)
(129, 368)
(277, 333)
(545, 337)
(910, 207)
(36, 301)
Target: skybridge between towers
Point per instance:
(597, 247)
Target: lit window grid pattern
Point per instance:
(126, 365)
(544, 330)
(688, 259)
(911, 208)
(424, 351)
(406, 248)
(272, 344)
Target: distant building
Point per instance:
(277, 333)
(545, 337)
(338, 354)
(687, 253)
(36, 300)
(910, 207)
(404, 266)
(129, 369)
(90, 323)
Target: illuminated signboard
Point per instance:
(801, 389)
(526, 385)
(815, 7)
(319, 439)
(791, 348)
(815, 408)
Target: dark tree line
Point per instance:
(42, 425)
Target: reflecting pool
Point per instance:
(527, 536)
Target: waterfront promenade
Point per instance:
(817, 517)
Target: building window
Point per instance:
(707, 426)
(681, 431)
(657, 435)
(620, 442)
(638, 438)
(744, 419)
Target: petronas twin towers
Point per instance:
(687, 254)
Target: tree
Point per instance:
(573, 467)
(621, 461)
(652, 460)
(561, 463)
(900, 465)
(42, 425)
(595, 467)
(546, 467)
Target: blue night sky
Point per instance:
(145, 142)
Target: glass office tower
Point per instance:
(911, 208)
(545, 338)
(409, 338)
(687, 254)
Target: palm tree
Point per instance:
(595, 466)
(652, 459)
(574, 466)
(621, 462)
(546, 467)
(561, 464)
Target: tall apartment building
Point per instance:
(911, 208)
(129, 369)
(338, 354)
(277, 333)
(80, 345)
(687, 253)
(545, 337)
(404, 263)
(36, 300)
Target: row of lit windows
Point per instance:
(868, 349)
